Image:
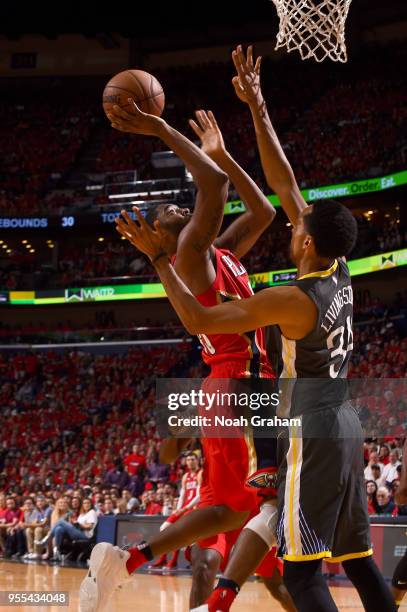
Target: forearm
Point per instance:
(205, 172)
(248, 191)
(274, 161)
(181, 499)
(277, 169)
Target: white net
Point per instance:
(315, 28)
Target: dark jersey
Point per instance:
(324, 353)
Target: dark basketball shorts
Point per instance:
(321, 489)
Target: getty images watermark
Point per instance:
(223, 409)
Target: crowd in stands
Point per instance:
(87, 418)
(330, 132)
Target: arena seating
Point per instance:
(330, 132)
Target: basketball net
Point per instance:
(315, 28)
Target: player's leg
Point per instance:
(278, 591)
(311, 489)
(399, 581)
(252, 545)
(200, 524)
(307, 586)
(352, 545)
(370, 584)
(205, 564)
(109, 566)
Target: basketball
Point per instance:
(143, 87)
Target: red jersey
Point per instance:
(190, 486)
(232, 283)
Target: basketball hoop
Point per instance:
(315, 28)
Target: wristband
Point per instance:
(157, 257)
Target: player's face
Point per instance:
(191, 463)
(299, 238)
(173, 218)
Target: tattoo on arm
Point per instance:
(202, 242)
(238, 236)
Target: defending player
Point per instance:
(314, 314)
(211, 269)
(399, 581)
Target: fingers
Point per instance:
(196, 128)
(119, 112)
(140, 218)
(203, 119)
(258, 64)
(237, 85)
(212, 119)
(250, 56)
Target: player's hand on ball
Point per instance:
(207, 130)
(135, 122)
(247, 81)
(140, 234)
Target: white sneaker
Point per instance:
(107, 571)
(203, 608)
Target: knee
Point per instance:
(234, 518)
(204, 571)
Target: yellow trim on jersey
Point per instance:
(291, 499)
(359, 555)
(320, 555)
(322, 273)
(251, 450)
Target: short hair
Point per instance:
(333, 228)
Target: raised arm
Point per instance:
(243, 233)
(279, 174)
(285, 306)
(210, 180)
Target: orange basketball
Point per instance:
(143, 87)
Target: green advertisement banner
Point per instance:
(366, 265)
(341, 190)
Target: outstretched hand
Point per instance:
(146, 239)
(136, 121)
(247, 81)
(208, 131)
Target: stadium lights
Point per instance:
(28, 246)
(4, 246)
(101, 239)
(8, 251)
(1, 241)
(143, 194)
(288, 224)
(370, 212)
(24, 241)
(32, 250)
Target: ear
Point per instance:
(308, 241)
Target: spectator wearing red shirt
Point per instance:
(136, 462)
(150, 504)
(13, 515)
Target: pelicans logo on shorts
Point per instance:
(265, 480)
